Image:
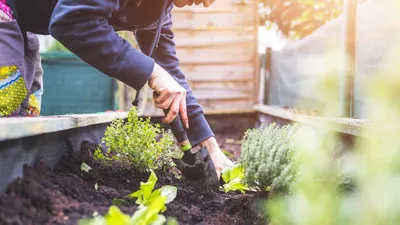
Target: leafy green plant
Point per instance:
(135, 142)
(146, 196)
(147, 215)
(151, 204)
(268, 158)
(234, 179)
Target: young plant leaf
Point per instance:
(85, 167)
(115, 216)
(150, 214)
(118, 202)
(146, 188)
(93, 221)
(146, 196)
(234, 179)
(172, 221)
(169, 192)
(96, 186)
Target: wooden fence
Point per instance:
(217, 49)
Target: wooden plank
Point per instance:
(232, 54)
(211, 107)
(228, 75)
(211, 73)
(216, 20)
(14, 128)
(213, 104)
(209, 28)
(153, 112)
(202, 10)
(222, 40)
(246, 86)
(241, 67)
(215, 94)
(344, 125)
(215, 60)
(194, 34)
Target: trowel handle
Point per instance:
(179, 132)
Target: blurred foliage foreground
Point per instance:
(372, 164)
(298, 18)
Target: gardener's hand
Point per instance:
(168, 94)
(218, 157)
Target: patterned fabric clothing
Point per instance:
(5, 11)
(14, 97)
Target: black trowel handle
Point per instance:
(179, 132)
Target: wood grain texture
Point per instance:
(218, 52)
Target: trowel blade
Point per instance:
(199, 170)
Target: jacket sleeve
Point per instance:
(82, 27)
(165, 56)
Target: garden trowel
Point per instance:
(196, 164)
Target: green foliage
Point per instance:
(268, 158)
(135, 142)
(151, 204)
(85, 167)
(146, 196)
(373, 163)
(298, 18)
(234, 179)
(147, 215)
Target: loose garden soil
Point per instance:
(67, 194)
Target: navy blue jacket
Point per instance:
(87, 28)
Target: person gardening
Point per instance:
(88, 29)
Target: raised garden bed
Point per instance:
(65, 194)
(68, 194)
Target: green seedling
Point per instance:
(148, 215)
(151, 203)
(146, 196)
(85, 167)
(234, 179)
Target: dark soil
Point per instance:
(67, 194)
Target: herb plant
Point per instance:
(234, 179)
(135, 142)
(268, 158)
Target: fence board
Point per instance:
(217, 50)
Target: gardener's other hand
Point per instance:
(218, 157)
(168, 94)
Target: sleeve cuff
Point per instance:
(199, 130)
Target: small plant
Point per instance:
(267, 158)
(234, 179)
(85, 167)
(135, 142)
(150, 202)
(146, 196)
(144, 216)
